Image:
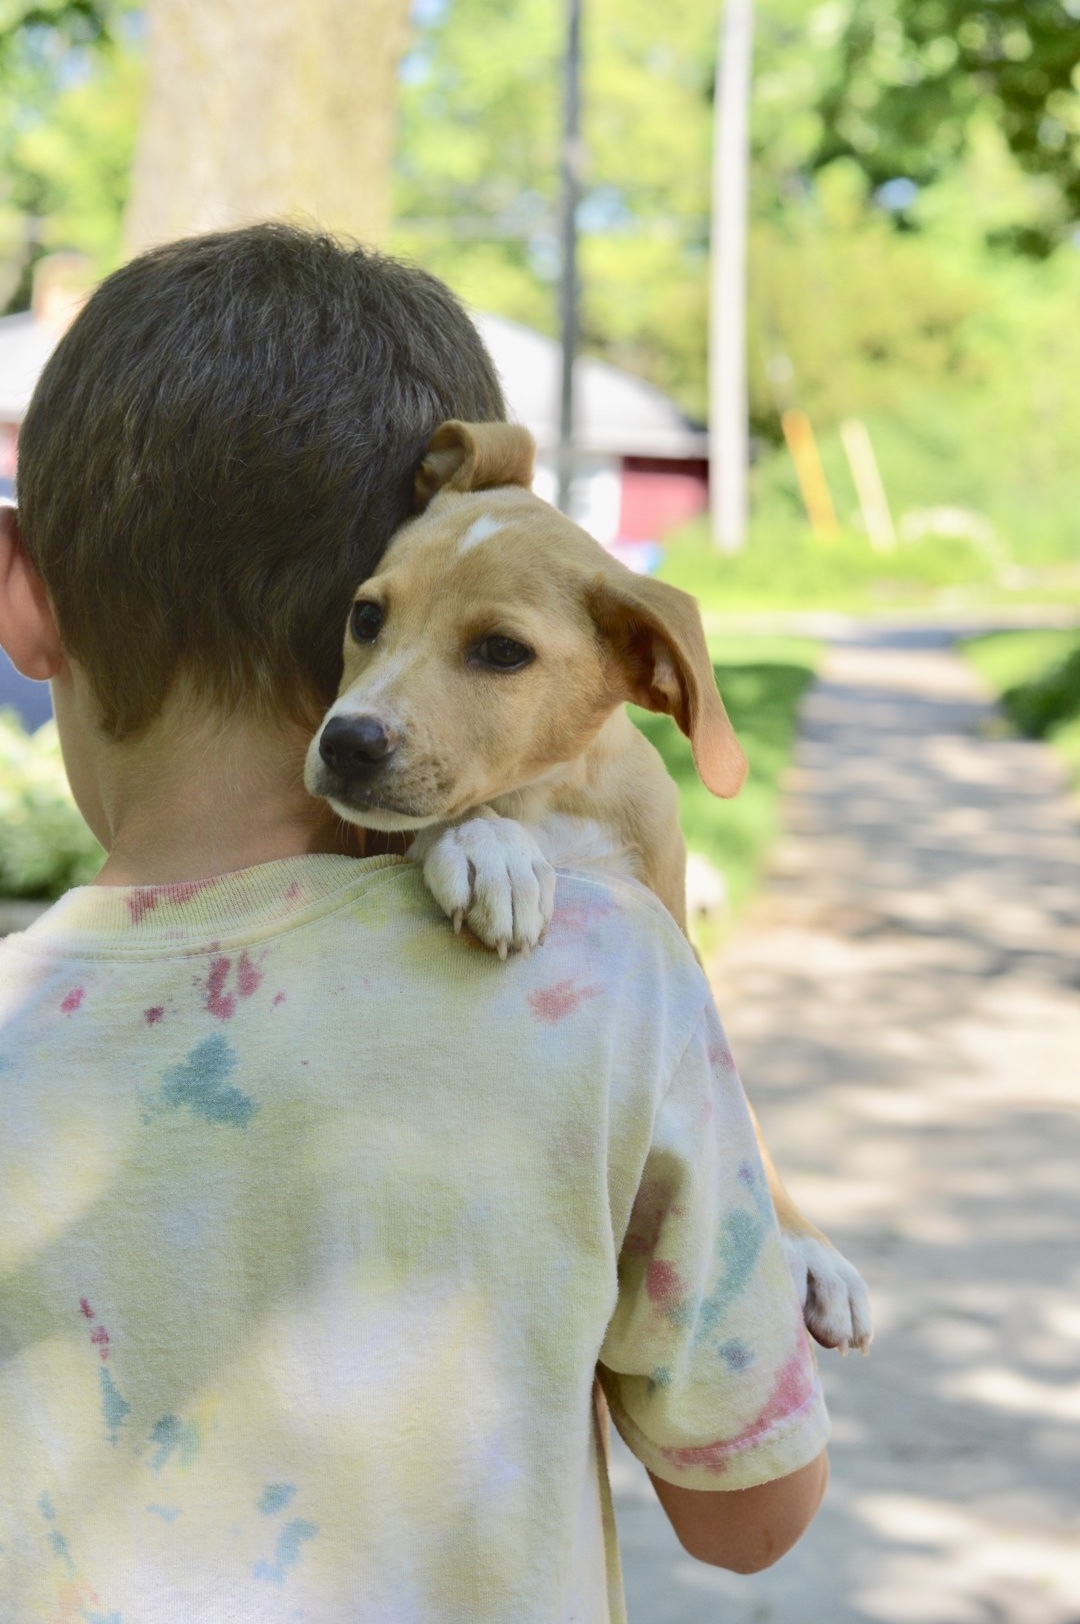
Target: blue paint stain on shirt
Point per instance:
(287, 1554)
(736, 1355)
(174, 1437)
(275, 1497)
(199, 1083)
(46, 1507)
(62, 1549)
(114, 1407)
(99, 1618)
(167, 1514)
(740, 1240)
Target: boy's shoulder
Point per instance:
(275, 944)
(598, 908)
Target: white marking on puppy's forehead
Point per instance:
(478, 531)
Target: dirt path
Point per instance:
(905, 1010)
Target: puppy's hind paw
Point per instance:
(488, 873)
(836, 1304)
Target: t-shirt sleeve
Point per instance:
(706, 1364)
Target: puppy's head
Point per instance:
(492, 644)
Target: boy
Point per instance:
(315, 1221)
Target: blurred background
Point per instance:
(874, 491)
(911, 400)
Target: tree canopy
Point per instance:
(911, 76)
(81, 22)
(915, 185)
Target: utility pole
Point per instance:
(568, 284)
(729, 441)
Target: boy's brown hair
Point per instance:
(218, 452)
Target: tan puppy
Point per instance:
(487, 663)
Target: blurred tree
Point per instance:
(847, 316)
(279, 109)
(81, 22)
(70, 86)
(912, 74)
(478, 169)
(917, 328)
(476, 174)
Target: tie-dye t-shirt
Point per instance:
(316, 1222)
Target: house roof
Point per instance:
(617, 414)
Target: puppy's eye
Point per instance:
(502, 653)
(366, 621)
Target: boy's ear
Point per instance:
(28, 631)
(474, 457)
(654, 634)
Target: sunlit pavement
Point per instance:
(905, 1009)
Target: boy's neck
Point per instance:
(196, 796)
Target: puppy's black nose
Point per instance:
(355, 744)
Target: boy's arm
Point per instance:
(745, 1530)
(705, 1364)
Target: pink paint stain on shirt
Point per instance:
(99, 1336)
(292, 891)
(247, 979)
(72, 1000)
(651, 1206)
(278, 998)
(662, 1284)
(572, 919)
(720, 1057)
(155, 1013)
(248, 976)
(184, 890)
(145, 898)
(794, 1390)
(218, 1001)
(553, 1004)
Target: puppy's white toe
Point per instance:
(489, 873)
(836, 1304)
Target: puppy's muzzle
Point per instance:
(356, 746)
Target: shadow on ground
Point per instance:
(905, 1009)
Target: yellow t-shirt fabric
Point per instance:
(316, 1223)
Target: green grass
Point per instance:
(762, 681)
(785, 569)
(1008, 658)
(1036, 676)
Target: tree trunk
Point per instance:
(280, 110)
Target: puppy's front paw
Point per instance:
(836, 1304)
(489, 873)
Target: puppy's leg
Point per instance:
(488, 872)
(836, 1304)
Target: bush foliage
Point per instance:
(762, 698)
(45, 846)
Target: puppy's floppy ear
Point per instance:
(474, 457)
(655, 635)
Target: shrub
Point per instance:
(45, 846)
(1038, 707)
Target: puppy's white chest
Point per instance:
(571, 842)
